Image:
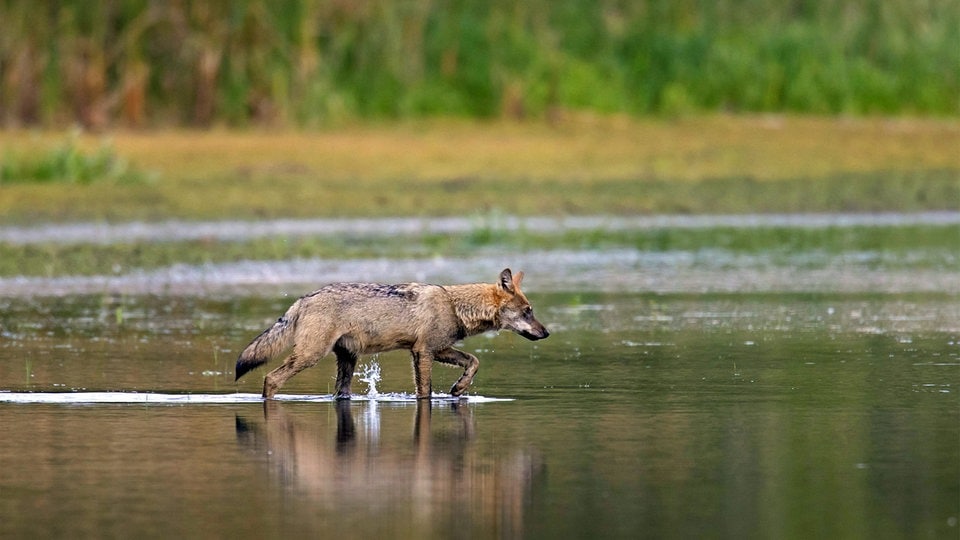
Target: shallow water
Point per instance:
(701, 271)
(166, 231)
(738, 415)
(157, 398)
(830, 253)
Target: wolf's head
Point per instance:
(515, 312)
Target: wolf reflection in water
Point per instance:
(442, 477)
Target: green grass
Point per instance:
(220, 198)
(610, 165)
(68, 163)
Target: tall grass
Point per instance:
(306, 62)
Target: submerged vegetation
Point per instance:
(305, 63)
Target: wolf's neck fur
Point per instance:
(477, 306)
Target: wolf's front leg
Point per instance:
(346, 363)
(422, 369)
(467, 361)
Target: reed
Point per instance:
(309, 63)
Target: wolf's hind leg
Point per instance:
(279, 375)
(346, 363)
(467, 361)
(302, 358)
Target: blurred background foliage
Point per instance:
(309, 63)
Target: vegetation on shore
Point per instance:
(715, 164)
(67, 163)
(607, 166)
(305, 63)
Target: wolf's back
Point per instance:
(270, 343)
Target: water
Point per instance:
(106, 233)
(791, 393)
(656, 415)
(157, 398)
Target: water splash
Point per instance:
(370, 374)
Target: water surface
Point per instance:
(766, 414)
(745, 381)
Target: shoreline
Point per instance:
(239, 230)
(601, 271)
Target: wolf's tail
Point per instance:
(270, 343)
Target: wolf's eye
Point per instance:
(528, 311)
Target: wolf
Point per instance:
(351, 319)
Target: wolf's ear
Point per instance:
(517, 278)
(506, 281)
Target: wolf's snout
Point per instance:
(536, 334)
